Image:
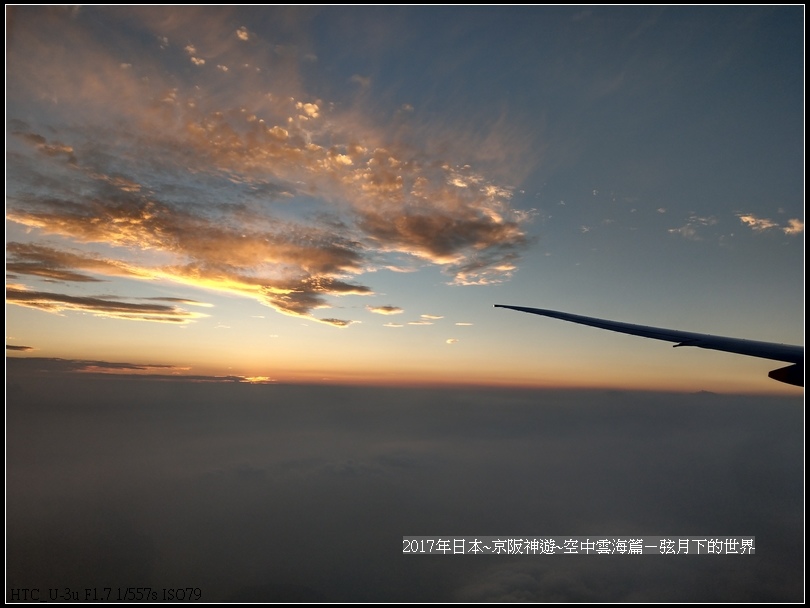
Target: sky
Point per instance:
(252, 258)
(293, 194)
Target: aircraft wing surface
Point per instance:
(793, 374)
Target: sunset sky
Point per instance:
(252, 258)
(342, 194)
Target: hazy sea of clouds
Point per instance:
(303, 493)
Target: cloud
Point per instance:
(432, 317)
(291, 270)
(50, 366)
(259, 380)
(432, 462)
(105, 366)
(41, 144)
(186, 301)
(53, 264)
(363, 81)
(794, 226)
(18, 347)
(385, 310)
(474, 248)
(393, 325)
(309, 110)
(691, 230)
(214, 182)
(123, 217)
(451, 340)
(402, 269)
(98, 306)
(463, 323)
(338, 322)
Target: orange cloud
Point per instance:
(58, 265)
(760, 224)
(385, 310)
(100, 307)
(208, 172)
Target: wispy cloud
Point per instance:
(338, 322)
(795, 226)
(385, 310)
(98, 306)
(140, 371)
(185, 301)
(82, 365)
(209, 173)
(363, 81)
(41, 144)
(691, 230)
(291, 270)
(19, 347)
(53, 264)
(757, 224)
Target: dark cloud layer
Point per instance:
(57, 370)
(271, 493)
(51, 365)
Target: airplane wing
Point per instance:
(792, 374)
